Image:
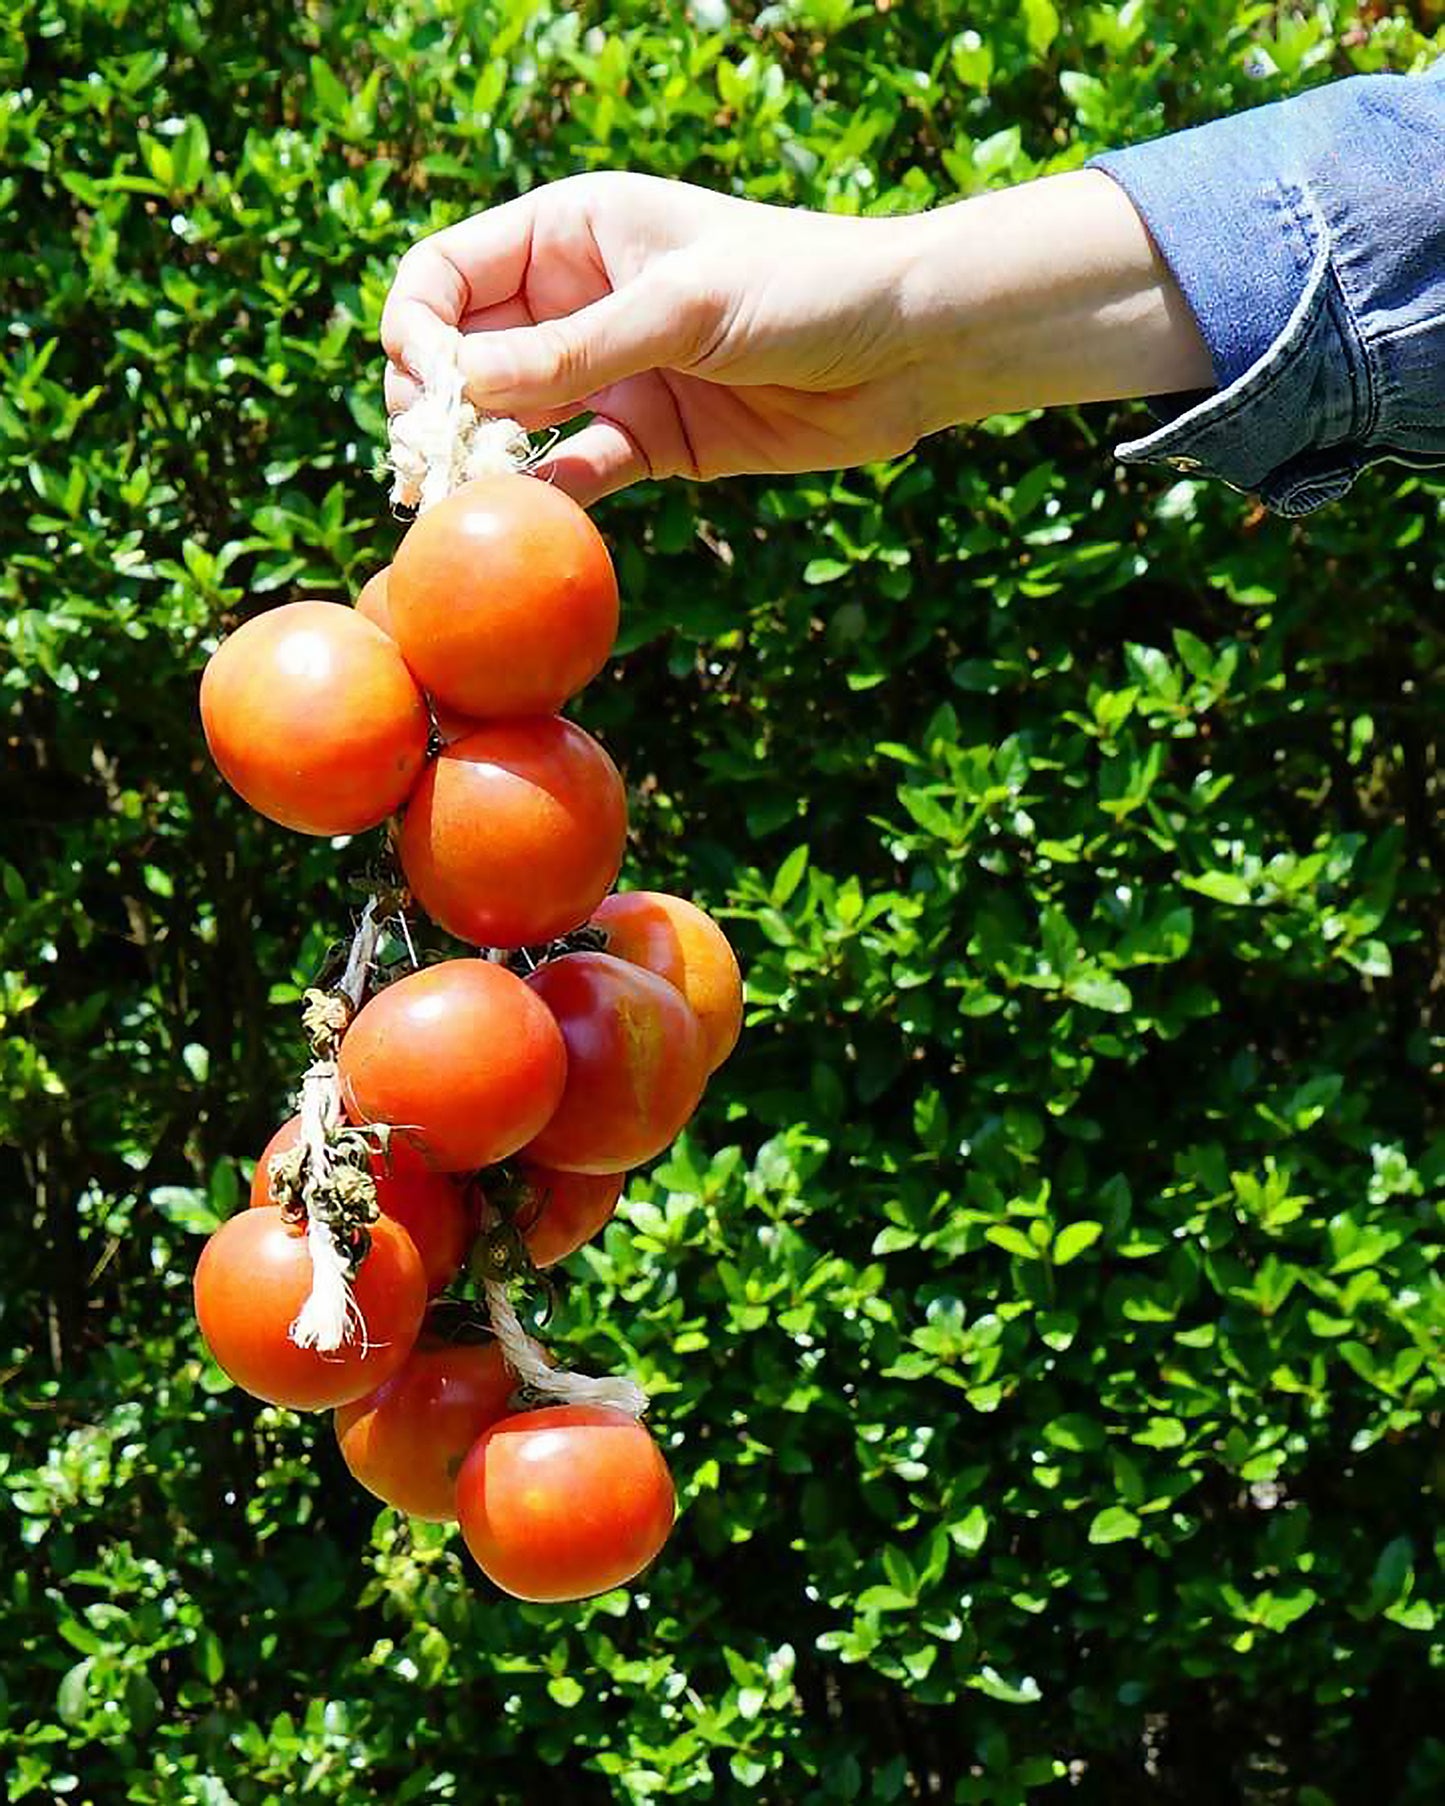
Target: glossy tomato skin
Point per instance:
(503, 598)
(462, 1056)
(681, 943)
(430, 1206)
(515, 833)
(254, 1275)
(557, 1212)
(373, 604)
(566, 1502)
(406, 1441)
(635, 1064)
(313, 718)
(451, 724)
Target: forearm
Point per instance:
(1045, 294)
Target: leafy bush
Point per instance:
(1044, 1317)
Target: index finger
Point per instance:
(455, 272)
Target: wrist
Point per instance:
(1047, 294)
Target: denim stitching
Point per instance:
(1265, 385)
(1361, 430)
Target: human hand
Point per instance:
(705, 335)
(709, 336)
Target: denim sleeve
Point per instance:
(1308, 237)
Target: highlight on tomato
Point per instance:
(636, 1064)
(463, 1056)
(254, 1275)
(313, 718)
(406, 1441)
(558, 1212)
(683, 944)
(515, 833)
(429, 1205)
(503, 598)
(565, 1502)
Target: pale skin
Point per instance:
(708, 336)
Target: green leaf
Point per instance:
(210, 1656)
(1024, 1692)
(72, 1701)
(1041, 23)
(1073, 1239)
(1222, 887)
(790, 875)
(1012, 1241)
(1114, 1524)
(1097, 991)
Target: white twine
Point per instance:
(528, 1361)
(441, 441)
(330, 1316)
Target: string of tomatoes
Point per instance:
(463, 1117)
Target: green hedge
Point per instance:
(1044, 1314)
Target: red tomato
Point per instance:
(451, 724)
(314, 719)
(565, 1502)
(372, 602)
(515, 832)
(675, 939)
(406, 1441)
(557, 1212)
(429, 1206)
(635, 1064)
(254, 1275)
(503, 598)
(463, 1056)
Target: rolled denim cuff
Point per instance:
(1308, 238)
(1283, 428)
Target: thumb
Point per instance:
(657, 321)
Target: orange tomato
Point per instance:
(674, 938)
(565, 1502)
(372, 602)
(254, 1275)
(312, 716)
(429, 1206)
(515, 833)
(406, 1441)
(557, 1212)
(503, 598)
(635, 1064)
(462, 1056)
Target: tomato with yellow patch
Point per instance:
(681, 943)
(636, 1064)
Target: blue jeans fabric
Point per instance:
(1308, 237)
